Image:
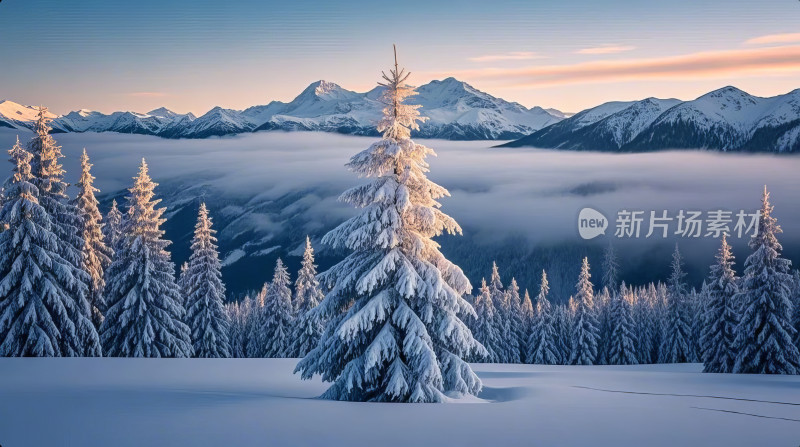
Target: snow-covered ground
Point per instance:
(258, 402)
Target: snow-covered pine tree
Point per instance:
(622, 343)
(39, 316)
(256, 335)
(485, 329)
(602, 306)
(518, 336)
(541, 342)
(112, 230)
(562, 327)
(585, 332)
(764, 334)
(528, 312)
(48, 178)
(205, 293)
(183, 283)
(610, 269)
(96, 254)
(676, 343)
(721, 315)
(507, 349)
(394, 332)
(646, 325)
(308, 325)
(145, 315)
(278, 315)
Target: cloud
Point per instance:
(709, 64)
(512, 56)
(774, 39)
(147, 94)
(606, 49)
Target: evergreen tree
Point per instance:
(622, 343)
(394, 303)
(602, 306)
(39, 316)
(585, 326)
(517, 337)
(527, 312)
(96, 254)
(507, 349)
(257, 337)
(675, 345)
(308, 325)
(278, 315)
(610, 269)
(541, 343)
(720, 316)
(562, 327)
(485, 329)
(112, 230)
(764, 334)
(205, 293)
(48, 178)
(144, 316)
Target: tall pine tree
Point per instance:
(96, 254)
(485, 328)
(278, 315)
(764, 334)
(395, 301)
(145, 315)
(39, 315)
(48, 178)
(720, 316)
(205, 293)
(586, 331)
(622, 341)
(541, 343)
(308, 325)
(675, 344)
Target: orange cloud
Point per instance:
(775, 38)
(606, 49)
(710, 64)
(512, 56)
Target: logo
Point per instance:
(591, 223)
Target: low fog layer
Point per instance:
(268, 185)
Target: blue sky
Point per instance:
(193, 55)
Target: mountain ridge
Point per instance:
(455, 111)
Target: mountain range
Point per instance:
(727, 119)
(455, 111)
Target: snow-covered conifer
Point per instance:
(256, 335)
(277, 316)
(764, 334)
(112, 230)
(485, 329)
(622, 342)
(518, 336)
(205, 293)
(39, 315)
(541, 343)
(48, 178)
(308, 325)
(508, 346)
(394, 303)
(585, 332)
(96, 254)
(528, 312)
(676, 343)
(721, 315)
(610, 269)
(145, 315)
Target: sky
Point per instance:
(192, 55)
